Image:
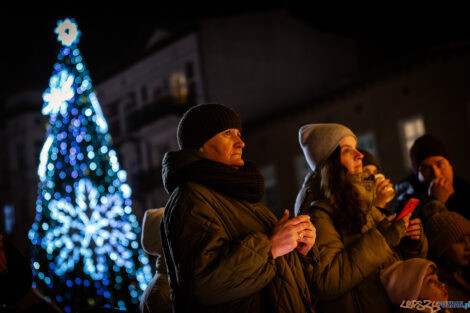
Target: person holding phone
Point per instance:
(354, 239)
(433, 181)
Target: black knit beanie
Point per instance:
(424, 147)
(202, 122)
(369, 158)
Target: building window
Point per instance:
(271, 196)
(179, 88)
(130, 103)
(410, 130)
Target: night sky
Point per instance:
(29, 47)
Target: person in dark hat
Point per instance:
(224, 250)
(433, 180)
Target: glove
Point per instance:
(393, 232)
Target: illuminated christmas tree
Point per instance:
(86, 250)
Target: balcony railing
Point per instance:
(156, 110)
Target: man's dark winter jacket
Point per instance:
(411, 187)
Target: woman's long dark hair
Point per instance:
(344, 198)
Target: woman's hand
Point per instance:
(288, 233)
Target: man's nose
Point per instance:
(436, 171)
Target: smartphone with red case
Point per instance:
(410, 206)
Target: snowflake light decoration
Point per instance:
(93, 227)
(67, 31)
(59, 92)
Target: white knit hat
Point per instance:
(151, 241)
(318, 141)
(403, 279)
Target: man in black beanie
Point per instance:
(224, 250)
(433, 180)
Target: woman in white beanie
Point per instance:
(354, 239)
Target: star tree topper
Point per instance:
(67, 31)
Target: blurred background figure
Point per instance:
(16, 278)
(449, 246)
(433, 179)
(383, 187)
(370, 165)
(156, 298)
(413, 279)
